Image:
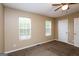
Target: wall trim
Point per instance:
(66, 42)
(70, 44)
(6, 52)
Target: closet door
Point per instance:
(76, 32)
(63, 30)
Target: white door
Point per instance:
(76, 32)
(63, 30)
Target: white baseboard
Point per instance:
(71, 44)
(68, 43)
(6, 52)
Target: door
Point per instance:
(76, 32)
(63, 30)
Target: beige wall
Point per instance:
(1, 28)
(11, 29)
(38, 29)
(55, 29)
(70, 18)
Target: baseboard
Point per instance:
(67, 43)
(6, 52)
(71, 44)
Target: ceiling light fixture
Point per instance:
(64, 7)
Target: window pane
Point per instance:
(47, 28)
(24, 28)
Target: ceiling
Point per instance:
(42, 8)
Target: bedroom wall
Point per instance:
(38, 33)
(55, 29)
(11, 29)
(70, 18)
(1, 28)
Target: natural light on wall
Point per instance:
(24, 28)
(48, 28)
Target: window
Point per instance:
(24, 28)
(47, 27)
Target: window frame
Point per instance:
(50, 28)
(27, 37)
